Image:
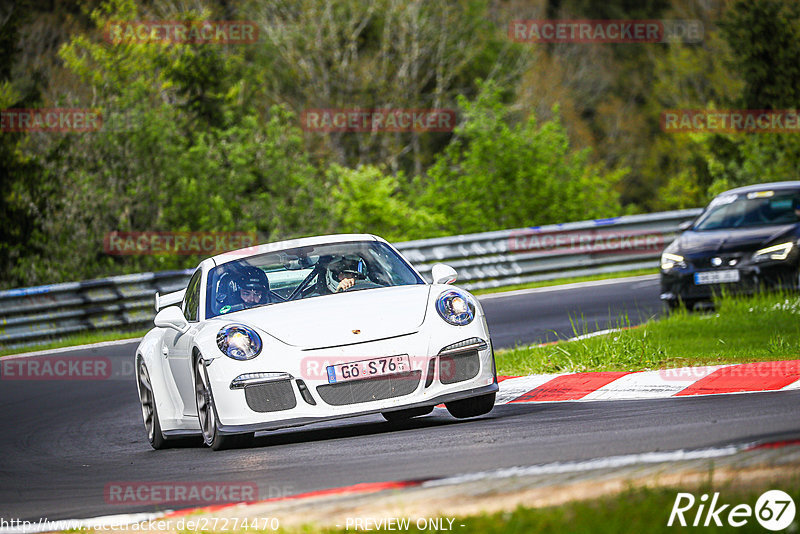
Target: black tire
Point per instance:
(675, 305)
(471, 407)
(403, 415)
(207, 415)
(149, 410)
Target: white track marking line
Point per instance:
(610, 462)
(792, 386)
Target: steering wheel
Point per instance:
(362, 283)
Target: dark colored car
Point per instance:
(744, 241)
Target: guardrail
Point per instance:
(33, 315)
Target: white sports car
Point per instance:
(297, 332)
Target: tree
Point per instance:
(381, 54)
(367, 200)
(494, 175)
(183, 148)
(770, 70)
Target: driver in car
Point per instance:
(253, 287)
(343, 273)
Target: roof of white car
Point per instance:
(291, 243)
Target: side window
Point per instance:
(191, 301)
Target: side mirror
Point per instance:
(172, 317)
(443, 274)
(685, 225)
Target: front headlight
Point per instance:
(668, 261)
(456, 307)
(239, 342)
(775, 252)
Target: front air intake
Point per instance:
(458, 367)
(271, 396)
(370, 389)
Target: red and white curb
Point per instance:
(120, 521)
(678, 382)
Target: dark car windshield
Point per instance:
(300, 273)
(760, 208)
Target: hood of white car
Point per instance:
(341, 319)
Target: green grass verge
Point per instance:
(765, 327)
(82, 338)
(561, 281)
(634, 510)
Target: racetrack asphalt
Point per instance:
(65, 441)
(545, 314)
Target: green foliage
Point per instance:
(25, 190)
(367, 200)
(738, 68)
(766, 37)
(770, 70)
(206, 137)
(180, 151)
(498, 175)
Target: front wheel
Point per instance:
(471, 407)
(149, 411)
(677, 305)
(207, 416)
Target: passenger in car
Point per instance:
(253, 287)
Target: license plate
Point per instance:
(716, 277)
(387, 365)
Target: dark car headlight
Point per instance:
(775, 252)
(239, 342)
(456, 307)
(669, 260)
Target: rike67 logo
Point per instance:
(774, 510)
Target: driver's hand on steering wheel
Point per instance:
(345, 282)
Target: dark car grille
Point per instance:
(726, 259)
(459, 367)
(270, 397)
(370, 389)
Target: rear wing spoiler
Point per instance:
(170, 299)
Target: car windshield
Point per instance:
(761, 208)
(301, 273)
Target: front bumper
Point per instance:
(297, 392)
(679, 284)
